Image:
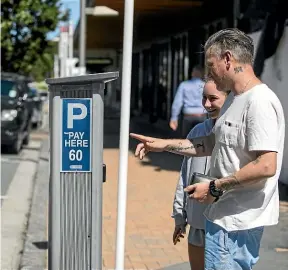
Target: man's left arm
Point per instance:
(262, 139)
(262, 167)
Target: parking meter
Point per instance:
(76, 113)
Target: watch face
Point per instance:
(214, 191)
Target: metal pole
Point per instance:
(63, 50)
(70, 45)
(56, 66)
(60, 52)
(82, 39)
(124, 132)
(70, 53)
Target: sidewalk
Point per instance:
(150, 193)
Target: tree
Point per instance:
(44, 65)
(24, 26)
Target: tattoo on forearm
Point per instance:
(181, 147)
(229, 182)
(257, 160)
(238, 69)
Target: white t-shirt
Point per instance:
(252, 121)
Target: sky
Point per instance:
(74, 6)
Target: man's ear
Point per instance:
(227, 58)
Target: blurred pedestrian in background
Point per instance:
(188, 99)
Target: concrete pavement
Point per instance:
(34, 255)
(9, 165)
(15, 208)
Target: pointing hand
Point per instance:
(148, 144)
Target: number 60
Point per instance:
(73, 154)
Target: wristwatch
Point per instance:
(214, 191)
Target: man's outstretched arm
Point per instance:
(202, 146)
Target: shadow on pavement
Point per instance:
(41, 245)
(5, 150)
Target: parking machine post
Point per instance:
(76, 171)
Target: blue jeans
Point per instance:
(237, 250)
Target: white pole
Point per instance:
(82, 38)
(70, 46)
(56, 66)
(63, 53)
(124, 132)
(60, 52)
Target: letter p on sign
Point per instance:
(71, 116)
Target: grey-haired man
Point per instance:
(246, 151)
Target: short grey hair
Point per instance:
(234, 40)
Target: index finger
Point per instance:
(140, 137)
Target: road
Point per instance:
(10, 163)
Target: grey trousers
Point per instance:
(190, 122)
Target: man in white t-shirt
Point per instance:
(246, 155)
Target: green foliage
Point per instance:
(41, 85)
(24, 28)
(44, 64)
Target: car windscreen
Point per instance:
(8, 89)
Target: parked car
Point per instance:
(37, 107)
(15, 112)
(43, 95)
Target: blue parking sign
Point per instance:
(76, 135)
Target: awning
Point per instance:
(152, 20)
